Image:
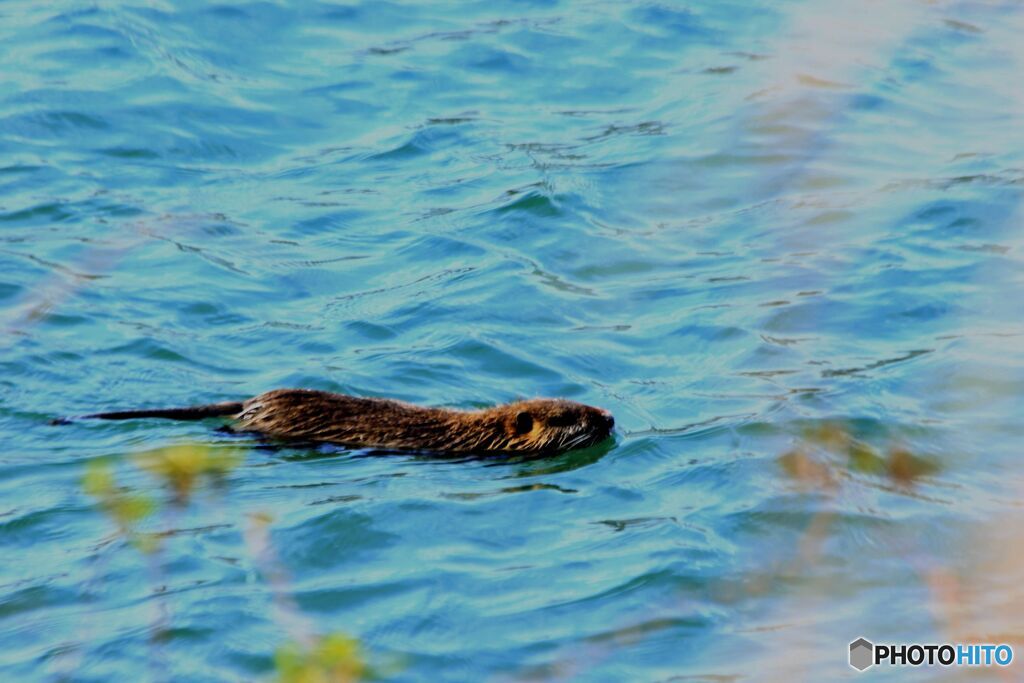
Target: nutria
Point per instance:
(541, 425)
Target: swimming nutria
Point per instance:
(541, 425)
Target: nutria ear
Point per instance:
(523, 423)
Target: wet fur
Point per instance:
(534, 426)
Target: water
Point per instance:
(780, 241)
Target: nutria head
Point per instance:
(547, 425)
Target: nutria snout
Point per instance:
(541, 425)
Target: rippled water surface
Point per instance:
(779, 240)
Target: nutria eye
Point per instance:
(562, 420)
(524, 422)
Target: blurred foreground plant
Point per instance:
(335, 658)
(897, 463)
(182, 470)
(184, 466)
(125, 508)
(307, 657)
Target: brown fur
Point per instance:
(535, 426)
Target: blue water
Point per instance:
(779, 240)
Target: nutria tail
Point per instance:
(190, 413)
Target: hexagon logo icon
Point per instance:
(862, 654)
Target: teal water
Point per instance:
(779, 240)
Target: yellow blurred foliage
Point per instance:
(125, 508)
(182, 467)
(335, 658)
